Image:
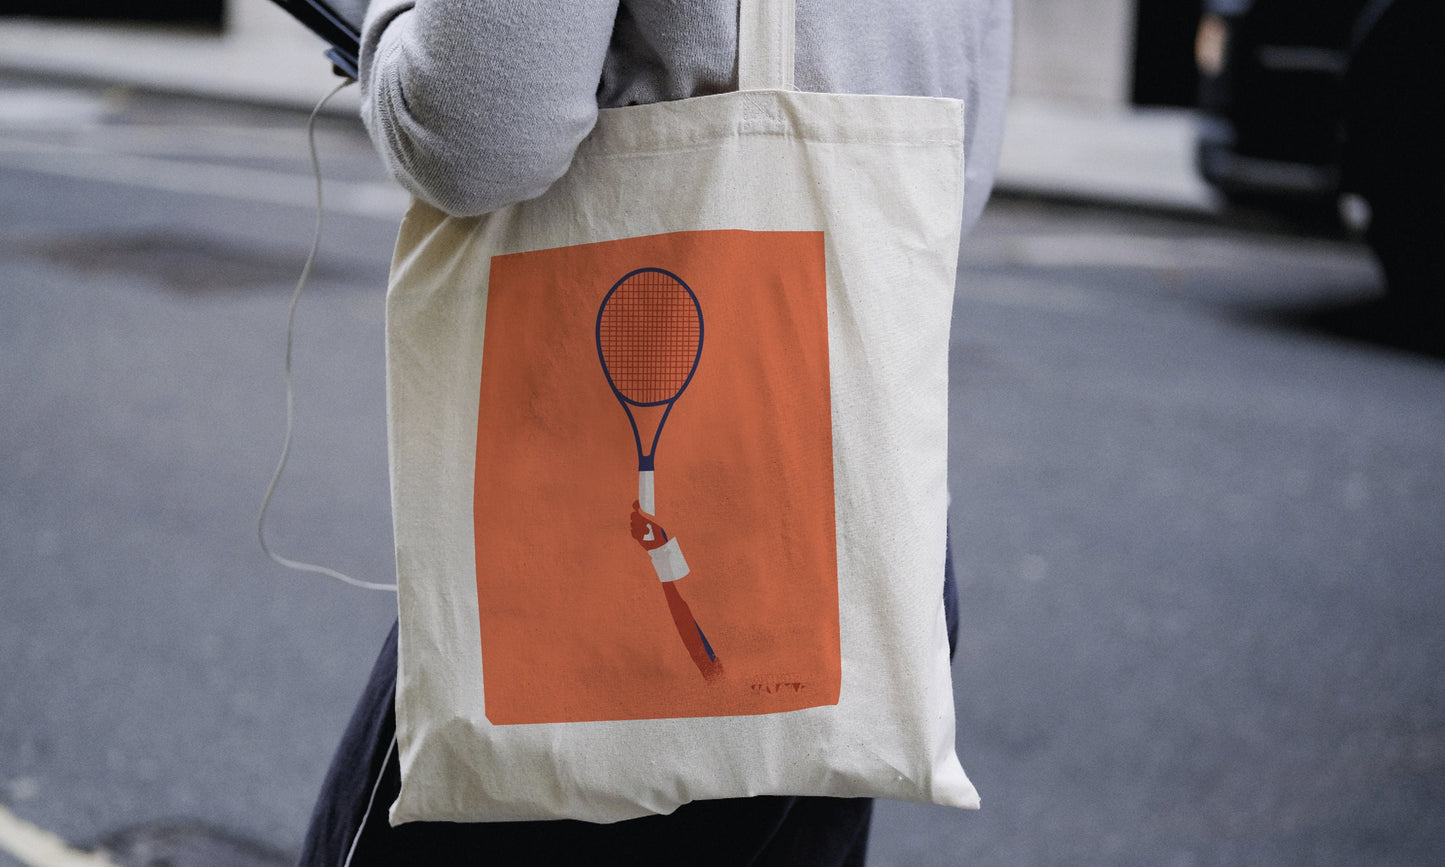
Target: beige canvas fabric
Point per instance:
(881, 178)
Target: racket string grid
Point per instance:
(649, 334)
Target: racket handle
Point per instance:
(646, 496)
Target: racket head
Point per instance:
(649, 337)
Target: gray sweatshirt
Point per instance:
(475, 104)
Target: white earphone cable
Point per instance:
(370, 802)
(290, 392)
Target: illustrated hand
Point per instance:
(645, 525)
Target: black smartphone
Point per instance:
(336, 21)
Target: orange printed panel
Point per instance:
(654, 486)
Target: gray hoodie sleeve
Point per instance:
(476, 105)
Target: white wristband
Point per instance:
(668, 561)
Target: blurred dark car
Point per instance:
(1306, 101)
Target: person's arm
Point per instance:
(474, 104)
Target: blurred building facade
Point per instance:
(1106, 52)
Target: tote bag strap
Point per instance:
(766, 35)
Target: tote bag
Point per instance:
(668, 462)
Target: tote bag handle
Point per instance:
(767, 31)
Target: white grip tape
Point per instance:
(668, 562)
(646, 496)
(646, 499)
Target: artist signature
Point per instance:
(774, 686)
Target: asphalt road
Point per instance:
(1198, 529)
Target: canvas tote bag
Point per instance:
(668, 462)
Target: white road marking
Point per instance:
(246, 142)
(31, 108)
(365, 199)
(34, 846)
(1188, 252)
(179, 140)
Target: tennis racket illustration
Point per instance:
(649, 341)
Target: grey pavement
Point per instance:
(1076, 151)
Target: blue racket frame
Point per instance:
(646, 460)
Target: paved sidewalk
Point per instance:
(272, 69)
(1132, 157)
(1060, 150)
